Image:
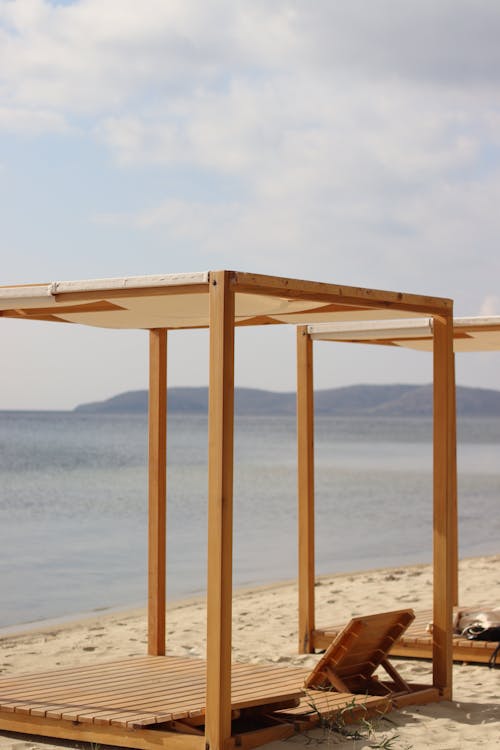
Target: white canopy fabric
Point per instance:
(478, 334)
(181, 301)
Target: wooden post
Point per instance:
(305, 464)
(157, 490)
(454, 480)
(444, 467)
(220, 511)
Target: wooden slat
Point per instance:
(150, 688)
(220, 511)
(152, 680)
(305, 465)
(157, 490)
(247, 690)
(250, 686)
(125, 669)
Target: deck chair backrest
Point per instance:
(357, 651)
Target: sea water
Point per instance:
(73, 503)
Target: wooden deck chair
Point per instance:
(349, 664)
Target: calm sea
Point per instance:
(73, 502)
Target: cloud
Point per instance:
(490, 305)
(31, 122)
(290, 128)
(450, 42)
(90, 57)
(360, 136)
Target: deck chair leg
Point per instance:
(393, 673)
(336, 681)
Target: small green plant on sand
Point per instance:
(385, 743)
(346, 723)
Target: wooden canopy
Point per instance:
(182, 301)
(470, 334)
(478, 334)
(220, 300)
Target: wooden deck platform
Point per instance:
(417, 641)
(156, 702)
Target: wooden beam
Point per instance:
(157, 490)
(144, 739)
(444, 466)
(331, 293)
(305, 465)
(220, 512)
(258, 737)
(454, 508)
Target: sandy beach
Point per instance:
(264, 631)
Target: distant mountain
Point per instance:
(377, 400)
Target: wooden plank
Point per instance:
(178, 686)
(101, 707)
(258, 737)
(177, 705)
(104, 672)
(157, 491)
(175, 698)
(220, 511)
(144, 739)
(417, 698)
(331, 293)
(443, 505)
(305, 467)
(142, 687)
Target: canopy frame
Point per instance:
(225, 290)
(470, 334)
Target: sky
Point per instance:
(352, 142)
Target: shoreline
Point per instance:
(71, 619)
(102, 613)
(80, 619)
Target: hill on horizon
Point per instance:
(370, 400)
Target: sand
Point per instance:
(265, 632)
